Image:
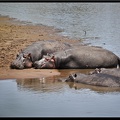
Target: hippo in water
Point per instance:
(100, 77)
(82, 57)
(34, 52)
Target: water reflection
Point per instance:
(40, 84)
(52, 84)
(98, 89)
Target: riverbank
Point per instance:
(16, 35)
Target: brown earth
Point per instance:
(16, 35)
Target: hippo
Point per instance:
(104, 77)
(35, 51)
(82, 57)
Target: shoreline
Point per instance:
(16, 35)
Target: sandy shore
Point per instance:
(16, 35)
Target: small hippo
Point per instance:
(105, 77)
(81, 57)
(35, 52)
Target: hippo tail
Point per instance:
(118, 65)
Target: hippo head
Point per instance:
(46, 62)
(71, 78)
(22, 61)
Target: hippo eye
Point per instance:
(46, 59)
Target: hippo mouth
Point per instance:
(16, 67)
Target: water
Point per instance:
(52, 98)
(31, 98)
(95, 23)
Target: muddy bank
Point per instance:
(16, 35)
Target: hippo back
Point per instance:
(106, 78)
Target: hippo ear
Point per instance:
(30, 56)
(47, 59)
(75, 75)
(53, 57)
(27, 55)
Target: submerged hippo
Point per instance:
(83, 57)
(100, 77)
(34, 52)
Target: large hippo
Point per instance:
(83, 57)
(34, 52)
(100, 77)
